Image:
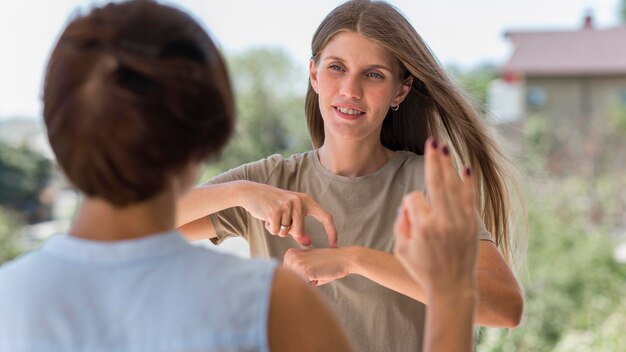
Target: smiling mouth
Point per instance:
(348, 111)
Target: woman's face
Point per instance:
(357, 80)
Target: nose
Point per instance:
(351, 87)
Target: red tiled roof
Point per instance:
(584, 52)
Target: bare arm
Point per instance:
(282, 211)
(299, 320)
(193, 209)
(200, 229)
(449, 321)
(204, 200)
(500, 302)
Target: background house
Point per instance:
(574, 82)
(561, 95)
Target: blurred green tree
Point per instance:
(9, 235)
(573, 285)
(23, 174)
(475, 81)
(269, 92)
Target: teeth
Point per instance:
(349, 111)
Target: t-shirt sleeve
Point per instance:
(234, 221)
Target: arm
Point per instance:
(299, 320)
(437, 244)
(283, 211)
(193, 209)
(204, 200)
(500, 302)
(449, 320)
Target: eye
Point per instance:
(335, 67)
(375, 75)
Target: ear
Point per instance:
(404, 90)
(313, 75)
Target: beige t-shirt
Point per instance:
(364, 210)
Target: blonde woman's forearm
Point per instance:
(202, 201)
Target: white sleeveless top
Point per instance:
(157, 293)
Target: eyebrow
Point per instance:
(377, 66)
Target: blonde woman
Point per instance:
(376, 94)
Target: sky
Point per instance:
(460, 32)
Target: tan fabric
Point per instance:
(364, 210)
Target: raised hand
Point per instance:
(436, 235)
(284, 211)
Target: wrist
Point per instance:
(456, 293)
(354, 258)
(235, 190)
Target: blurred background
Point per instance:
(550, 75)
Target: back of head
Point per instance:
(134, 92)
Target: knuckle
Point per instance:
(275, 212)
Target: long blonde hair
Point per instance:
(435, 106)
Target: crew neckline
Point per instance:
(399, 156)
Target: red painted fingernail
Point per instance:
(435, 143)
(445, 150)
(468, 171)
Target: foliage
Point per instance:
(475, 81)
(270, 108)
(573, 286)
(23, 173)
(9, 231)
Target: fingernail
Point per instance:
(445, 150)
(435, 143)
(468, 171)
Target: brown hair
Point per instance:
(435, 106)
(134, 91)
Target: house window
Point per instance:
(536, 97)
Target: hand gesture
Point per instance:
(284, 212)
(317, 266)
(436, 236)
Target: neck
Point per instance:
(99, 220)
(353, 159)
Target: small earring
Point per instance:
(395, 108)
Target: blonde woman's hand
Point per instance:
(284, 211)
(318, 266)
(436, 236)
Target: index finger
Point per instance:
(326, 219)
